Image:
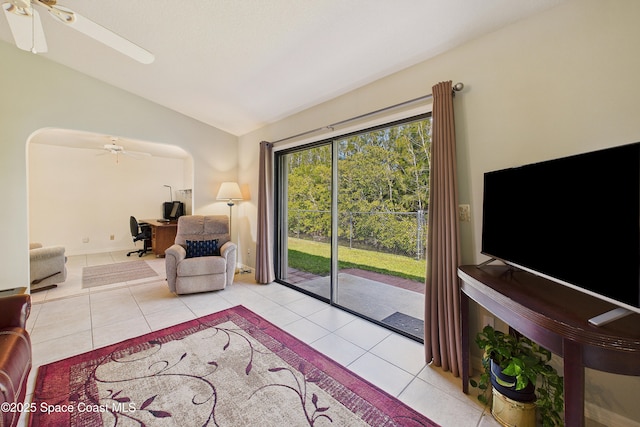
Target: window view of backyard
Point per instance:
(353, 222)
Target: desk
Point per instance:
(163, 235)
(555, 317)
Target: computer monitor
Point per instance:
(172, 210)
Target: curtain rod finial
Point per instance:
(458, 87)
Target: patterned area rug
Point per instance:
(231, 368)
(108, 274)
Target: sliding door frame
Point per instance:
(281, 226)
(281, 215)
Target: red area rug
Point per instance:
(231, 368)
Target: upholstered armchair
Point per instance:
(47, 266)
(203, 257)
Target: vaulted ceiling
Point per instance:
(241, 64)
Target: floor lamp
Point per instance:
(229, 191)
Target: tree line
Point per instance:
(383, 187)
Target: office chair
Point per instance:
(140, 231)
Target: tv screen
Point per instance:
(575, 220)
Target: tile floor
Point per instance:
(70, 320)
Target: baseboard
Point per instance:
(127, 248)
(244, 269)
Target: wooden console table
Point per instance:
(163, 235)
(556, 317)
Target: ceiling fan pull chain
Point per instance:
(33, 30)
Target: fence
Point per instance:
(403, 233)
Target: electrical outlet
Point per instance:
(464, 213)
(85, 240)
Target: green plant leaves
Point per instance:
(527, 361)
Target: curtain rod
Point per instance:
(456, 88)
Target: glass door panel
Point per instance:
(304, 220)
(381, 204)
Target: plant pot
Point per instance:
(510, 413)
(506, 385)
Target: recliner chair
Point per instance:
(140, 231)
(193, 263)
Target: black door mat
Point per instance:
(405, 323)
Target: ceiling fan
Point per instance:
(28, 33)
(117, 150)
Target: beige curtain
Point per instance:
(442, 331)
(264, 239)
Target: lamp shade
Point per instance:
(229, 191)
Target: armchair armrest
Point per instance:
(173, 255)
(40, 254)
(176, 252)
(15, 310)
(227, 249)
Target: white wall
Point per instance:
(76, 194)
(563, 82)
(36, 93)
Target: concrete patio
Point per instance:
(382, 302)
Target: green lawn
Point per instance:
(314, 257)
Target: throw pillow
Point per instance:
(198, 248)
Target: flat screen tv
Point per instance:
(574, 220)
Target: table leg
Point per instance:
(573, 384)
(464, 323)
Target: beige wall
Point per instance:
(560, 83)
(37, 94)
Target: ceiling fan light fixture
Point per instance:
(113, 148)
(117, 149)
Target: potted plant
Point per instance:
(523, 372)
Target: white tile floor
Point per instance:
(70, 320)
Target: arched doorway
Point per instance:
(81, 194)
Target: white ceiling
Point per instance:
(241, 64)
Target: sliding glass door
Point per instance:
(351, 222)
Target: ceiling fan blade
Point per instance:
(26, 27)
(113, 146)
(136, 154)
(98, 33)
